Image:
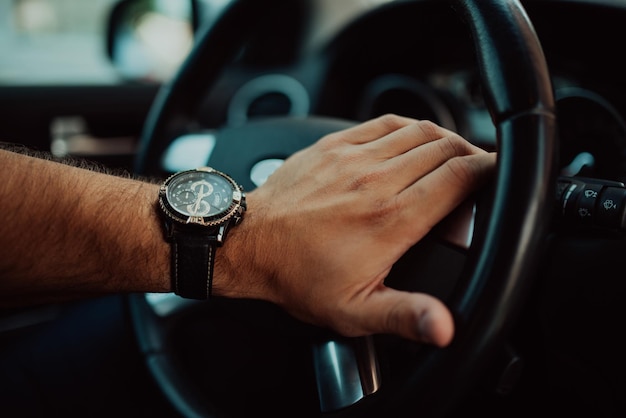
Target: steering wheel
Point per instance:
(509, 235)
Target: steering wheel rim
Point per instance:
(510, 234)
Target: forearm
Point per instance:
(69, 232)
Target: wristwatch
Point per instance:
(198, 206)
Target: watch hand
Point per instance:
(201, 187)
(196, 206)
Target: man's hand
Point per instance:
(322, 234)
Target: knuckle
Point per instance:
(461, 171)
(454, 146)
(329, 141)
(429, 128)
(392, 121)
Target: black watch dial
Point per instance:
(200, 196)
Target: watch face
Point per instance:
(202, 196)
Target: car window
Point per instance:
(64, 42)
(54, 42)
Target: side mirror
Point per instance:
(148, 39)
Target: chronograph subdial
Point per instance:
(184, 197)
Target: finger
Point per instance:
(409, 167)
(458, 177)
(408, 138)
(415, 316)
(372, 129)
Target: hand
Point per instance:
(328, 225)
(202, 189)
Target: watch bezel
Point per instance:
(233, 211)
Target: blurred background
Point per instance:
(65, 41)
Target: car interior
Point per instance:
(152, 87)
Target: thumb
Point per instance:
(415, 316)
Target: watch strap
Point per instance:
(192, 258)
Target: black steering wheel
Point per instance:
(498, 268)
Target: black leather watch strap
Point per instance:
(193, 257)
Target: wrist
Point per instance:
(156, 251)
(132, 248)
(198, 208)
(241, 266)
